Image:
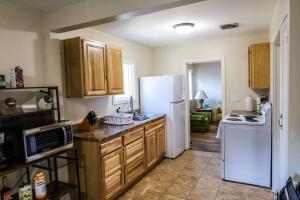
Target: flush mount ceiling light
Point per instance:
(183, 28)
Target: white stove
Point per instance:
(246, 148)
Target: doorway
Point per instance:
(280, 104)
(205, 102)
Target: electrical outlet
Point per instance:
(235, 98)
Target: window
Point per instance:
(129, 84)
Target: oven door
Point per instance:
(48, 140)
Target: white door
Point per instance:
(283, 105)
(280, 96)
(178, 129)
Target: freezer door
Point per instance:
(177, 130)
(155, 94)
(177, 88)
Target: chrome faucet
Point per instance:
(131, 104)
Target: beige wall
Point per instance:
(141, 55)
(169, 60)
(21, 42)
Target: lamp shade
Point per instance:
(201, 95)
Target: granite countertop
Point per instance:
(104, 132)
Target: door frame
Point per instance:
(186, 65)
(279, 147)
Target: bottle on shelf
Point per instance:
(6, 193)
(40, 186)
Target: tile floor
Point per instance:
(195, 175)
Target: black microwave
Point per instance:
(44, 141)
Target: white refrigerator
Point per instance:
(165, 95)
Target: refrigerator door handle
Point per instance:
(177, 102)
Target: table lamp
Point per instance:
(201, 95)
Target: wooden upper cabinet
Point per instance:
(259, 66)
(115, 80)
(92, 68)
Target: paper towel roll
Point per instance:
(249, 103)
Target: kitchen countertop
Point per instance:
(104, 132)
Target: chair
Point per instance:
(288, 192)
(199, 122)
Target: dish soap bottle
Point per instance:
(6, 193)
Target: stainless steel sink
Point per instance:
(140, 118)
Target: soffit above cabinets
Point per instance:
(156, 29)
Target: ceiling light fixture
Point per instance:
(183, 28)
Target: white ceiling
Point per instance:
(46, 5)
(156, 29)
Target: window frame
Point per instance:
(118, 99)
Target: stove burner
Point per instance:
(251, 120)
(234, 115)
(233, 119)
(250, 117)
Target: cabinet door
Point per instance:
(151, 148)
(113, 185)
(133, 151)
(112, 173)
(134, 169)
(114, 70)
(94, 68)
(260, 66)
(161, 141)
(112, 162)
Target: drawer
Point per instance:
(111, 145)
(133, 135)
(112, 162)
(134, 150)
(155, 125)
(134, 169)
(113, 184)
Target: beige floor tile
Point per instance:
(148, 195)
(229, 196)
(212, 184)
(153, 185)
(257, 193)
(186, 180)
(258, 197)
(192, 172)
(170, 197)
(199, 193)
(194, 175)
(163, 176)
(232, 187)
(182, 191)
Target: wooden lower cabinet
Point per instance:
(161, 141)
(134, 170)
(113, 184)
(134, 151)
(112, 173)
(108, 169)
(151, 148)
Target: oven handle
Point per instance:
(65, 135)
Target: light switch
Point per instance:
(235, 98)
